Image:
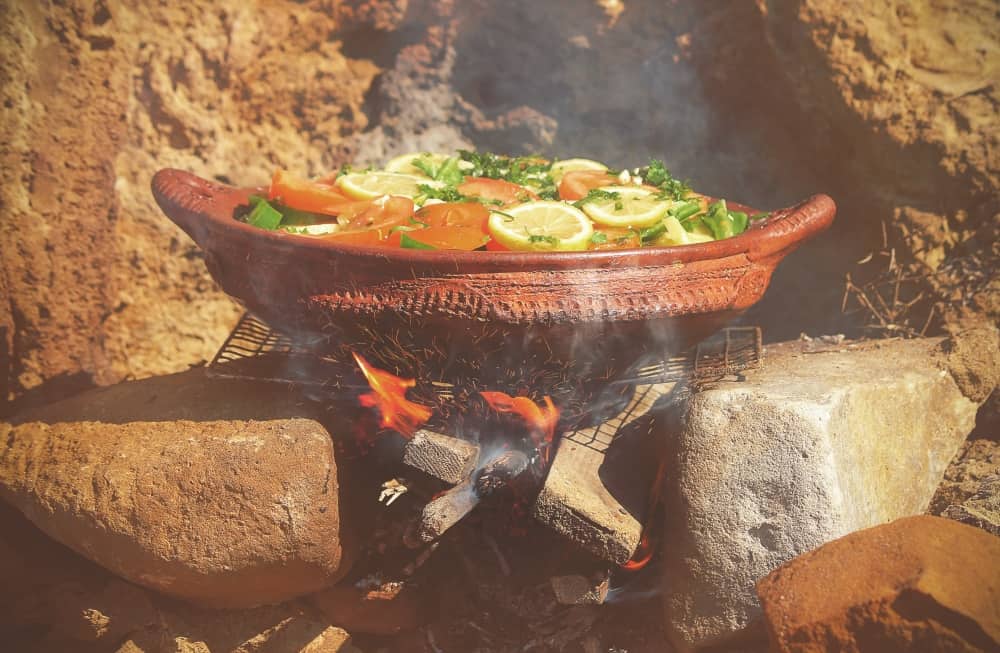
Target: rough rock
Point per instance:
(916, 584)
(902, 102)
(576, 589)
(220, 492)
(977, 460)
(52, 599)
(808, 448)
(973, 359)
(97, 284)
(982, 509)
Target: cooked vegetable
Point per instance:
(263, 215)
(481, 200)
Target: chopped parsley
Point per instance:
(656, 174)
(443, 193)
(539, 238)
(598, 238)
(598, 194)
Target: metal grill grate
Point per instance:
(729, 352)
(255, 351)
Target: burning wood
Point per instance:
(388, 395)
(500, 471)
(446, 509)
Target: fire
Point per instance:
(388, 395)
(540, 419)
(643, 554)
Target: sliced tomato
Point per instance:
(464, 238)
(363, 237)
(495, 189)
(617, 238)
(455, 214)
(380, 214)
(496, 246)
(576, 184)
(306, 195)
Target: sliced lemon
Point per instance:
(559, 168)
(369, 185)
(545, 225)
(629, 207)
(404, 163)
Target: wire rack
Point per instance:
(255, 351)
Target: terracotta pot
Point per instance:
(597, 312)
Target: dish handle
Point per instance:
(785, 229)
(194, 204)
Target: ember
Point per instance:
(388, 395)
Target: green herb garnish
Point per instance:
(445, 194)
(656, 174)
(538, 238)
(598, 194)
(598, 237)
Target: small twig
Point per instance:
(927, 324)
(501, 560)
(895, 289)
(432, 642)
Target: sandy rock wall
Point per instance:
(904, 98)
(98, 286)
(886, 107)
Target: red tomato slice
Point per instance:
(495, 189)
(370, 238)
(306, 195)
(381, 214)
(455, 214)
(464, 238)
(495, 246)
(617, 238)
(577, 183)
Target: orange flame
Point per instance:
(389, 396)
(643, 554)
(541, 420)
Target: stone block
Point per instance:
(444, 457)
(224, 493)
(809, 448)
(597, 490)
(917, 584)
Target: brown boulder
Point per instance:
(916, 584)
(224, 493)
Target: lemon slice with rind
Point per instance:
(541, 226)
(369, 185)
(404, 163)
(560, 168)
(626, 206)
